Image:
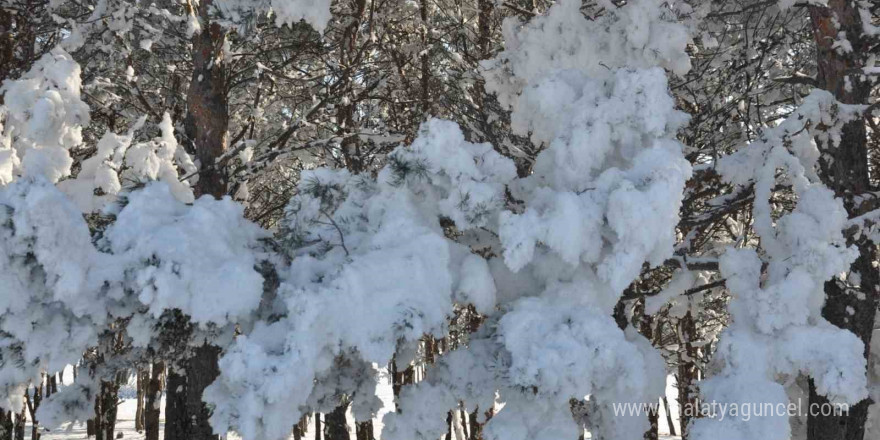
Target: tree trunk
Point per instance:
(687, 373)
(206, 124)
(175, 406)
(364, 430)
(201, 371)
(152, 402)
(844, 168)
(318, 430)
(20, 420)
(109, 396)
(335, 424)
(669, 420)
(33, 404)
(6, 425)
(207, 117)
(98, 421)
(139, 410)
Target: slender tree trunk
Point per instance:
(53, 384)
(669, 420)
(425, 79)
(687, 373)
(364, 430)
(7, 425)
(176, 420)
(98, 420)
(109, 408)
(139, 410)
(33, 404)
(20, 420)
(335, 424)
(318, 430)
(844, 168)
(152, 401)
(201, 370)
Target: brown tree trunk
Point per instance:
(6, 425)
(668, 416)
(687, 373)
(647, 330)
(318, 430)
(20, 421)
(201, 370)
(844, 168)
(206, 124)
(54, 383)
(98, 421)
(335, 424)
(207, 117)
(139, 410)
(33, 404)
(363, 430)
(152, 401)
(109, 396)
(176, 421)
(425, 79)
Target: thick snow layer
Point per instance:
(44, 118)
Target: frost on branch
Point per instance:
(118, 164)
(286, 12)
(197, 258)
(50, 273)
(371, 270)
(602, 200)
(778, 331)
(44, 119)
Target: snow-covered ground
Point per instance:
(128, 407)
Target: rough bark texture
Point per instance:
(201, 370)
(335, 425)
(109, 396)
(152, 399)
(668, 416)
(647, 330)
(206, 124)
(20, 420)
(175, 406)
(7, 425)
(363, 430)
(318, 430)
(688, 373)
(33, 403)
(844, 168)
(207, 118)
(142, 379)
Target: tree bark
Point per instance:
(152, 401)
(6, 425)
(201, 370)
(669, 420)
(318, 430)
(364, 430)
(844, 169)
(32, 405)
(207, 117)
(109, 396)
(20, 420)
(176, 420)
(335, 424)
(139, 411)
(206, 125)
(687, 373)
